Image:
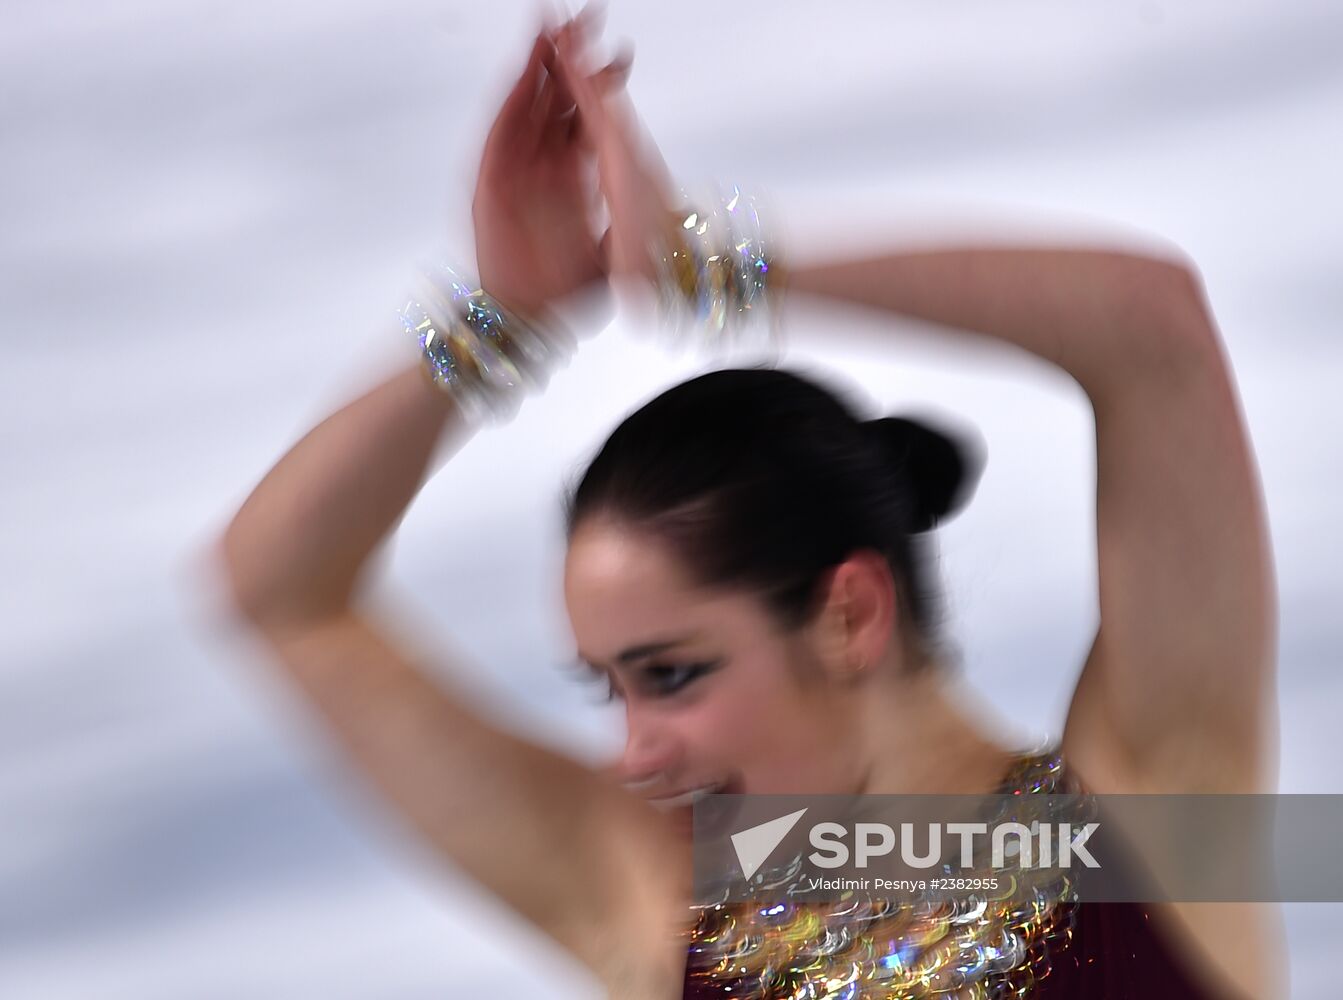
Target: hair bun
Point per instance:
(941, 468)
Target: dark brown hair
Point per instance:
(765, 479)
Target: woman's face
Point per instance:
(718, 697)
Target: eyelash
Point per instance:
(649, 675)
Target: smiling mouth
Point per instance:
(685, 800)
(690, 797)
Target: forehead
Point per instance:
(624, 588)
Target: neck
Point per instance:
(920, 736)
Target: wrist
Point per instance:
(517, 299)
(529, 312)
(717, 272)
(483, 351)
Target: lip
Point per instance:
(709, 810)
(686, 799)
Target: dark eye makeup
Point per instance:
(651, 680)
(662, 679)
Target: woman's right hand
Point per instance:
(533, 208)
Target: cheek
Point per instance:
(760, 723)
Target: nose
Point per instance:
(651, 756)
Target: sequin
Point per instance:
(990, 946)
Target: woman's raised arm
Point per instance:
(295, 550)
(1177, 693)
(565, 847)
(558, 843)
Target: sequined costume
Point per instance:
(1059, 949)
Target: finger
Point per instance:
(562, 102)
(519, 100)
(604, 251)
(541, 120)
(565, 124)
(575, 40)
(575, 86)
(550, 64)
(540, 110)
(601, 113)
(589, 21)
(615, 73)
(561, 127)
(579, 34)
(574, 72)
(512, 128)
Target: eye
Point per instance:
(662, 679)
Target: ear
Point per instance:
(857, 618)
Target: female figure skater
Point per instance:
(744, 560)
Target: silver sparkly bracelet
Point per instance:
(485, 357)
(718, 282)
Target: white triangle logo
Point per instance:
(754, 846)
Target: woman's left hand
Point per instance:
(631, 173)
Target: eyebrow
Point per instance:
(641, 651)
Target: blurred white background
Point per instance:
(210, 211)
